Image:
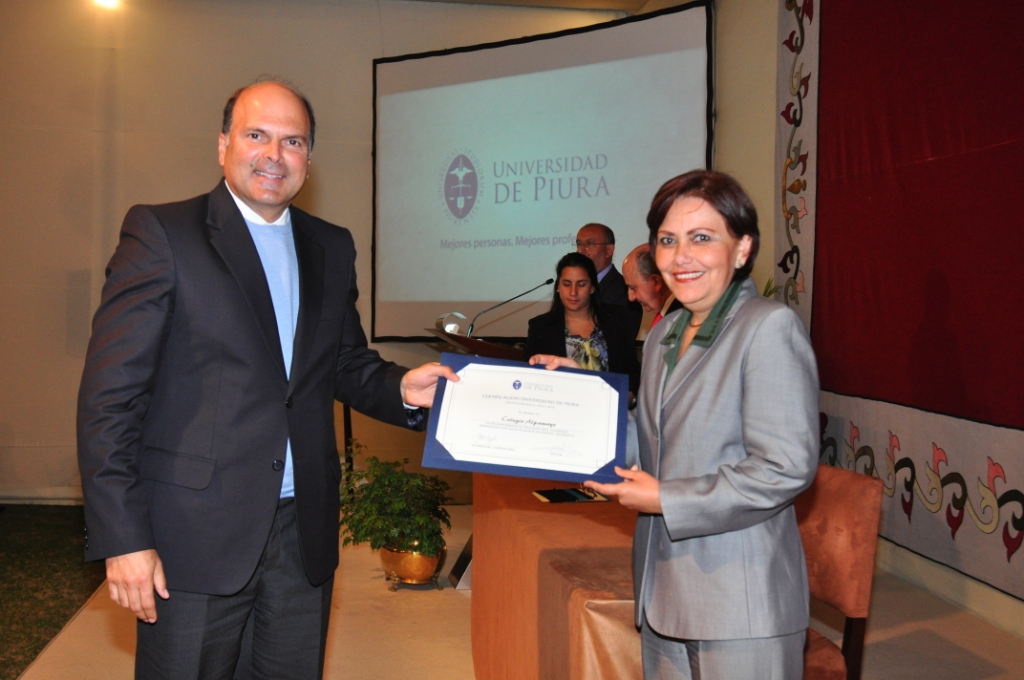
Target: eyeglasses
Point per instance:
(590, 244)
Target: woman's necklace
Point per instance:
(696, 325)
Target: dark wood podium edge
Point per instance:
(480, 348)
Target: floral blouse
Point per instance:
(590, 353)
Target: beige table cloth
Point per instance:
(552, 585)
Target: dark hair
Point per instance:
(580, 260)
(229, 108)
(724, 194)
(609, 235)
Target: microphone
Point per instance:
(469, 333)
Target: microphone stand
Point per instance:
(469, 332)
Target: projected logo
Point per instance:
(461, 186)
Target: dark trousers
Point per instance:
(284, 619)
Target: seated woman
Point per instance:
(578, 328)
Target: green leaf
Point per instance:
(770, 288)
(385, 505)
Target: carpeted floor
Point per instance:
(43, 579)
(417, 632)
(423, 633)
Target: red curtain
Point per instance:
(918, 284)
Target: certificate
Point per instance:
(509, 418)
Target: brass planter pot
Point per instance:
(409, 566)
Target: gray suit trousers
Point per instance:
(771, 658)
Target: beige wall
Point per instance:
(746, 41)
(745, 54)
(100, 110)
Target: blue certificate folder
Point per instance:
(435, 455)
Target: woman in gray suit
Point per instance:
(728, 429)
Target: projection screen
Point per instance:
(488, 159)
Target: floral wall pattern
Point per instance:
(796, 153)
(937, 473)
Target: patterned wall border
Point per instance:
(937, 471)
(796, 147)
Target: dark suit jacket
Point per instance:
(612, 291)
(546, 335)
(184, 406)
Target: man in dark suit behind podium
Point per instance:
(227, 328)
(597, 242)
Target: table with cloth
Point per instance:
(552, 585)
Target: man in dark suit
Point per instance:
(597, 242)
(206, 439)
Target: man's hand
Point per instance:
(638, 490)
(132, 578)
(418, 384)
(551, 362)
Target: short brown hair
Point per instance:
(724, 194)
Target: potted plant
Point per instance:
(400, 514)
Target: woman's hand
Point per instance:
(551, 362)
(637, 490)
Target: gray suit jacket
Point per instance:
(732, 435)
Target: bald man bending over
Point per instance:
(645, 285)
